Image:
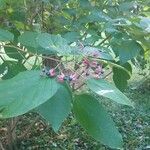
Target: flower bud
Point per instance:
(93, 64)
(52, 72)
(73, 77)
(61, 77)
(86, 62)
(98, 70)
(96, 76)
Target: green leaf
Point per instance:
(14, 53)
(18, 15)
(85, 4)
(24, 92)
(56, 109)
(145, 24)
(2, 68)
(28, 39)
(72, 36)
(6, 36)
(2, 3)
(13, 68)
(53, 44)
(16, 34)
(120, 76)
(98, 16)
(127, 49)
(96, 121)
(127, 6)
(106, 89)
(44, 43)
(89, 51)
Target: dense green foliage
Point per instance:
(85, 40)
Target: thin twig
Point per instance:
(105, 40)
(14, 124)
(107, 75)
(32, 54)
(2, 58)
(79, 86)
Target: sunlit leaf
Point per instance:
(106, 89)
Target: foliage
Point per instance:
(84, 40)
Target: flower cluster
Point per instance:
(60, 77)
(86, 69)
(92, 68)
(70, 78)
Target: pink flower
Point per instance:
(98, 70)
(86, 62)
(93, 64)
(96, 76)
(52, 72)
(61, 77)
(73, 77)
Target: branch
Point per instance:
(2, 58)
(103, 41)
(107, 75)
(79, 86)
(14, 123)
(31, 54)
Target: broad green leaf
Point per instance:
(14, 53)
(90, 51)
(53, 43)
(24, 92)
(121, 22)
(99, 16)
(28, 39)
(120, 76)
(56, 109)
(2, 68)
(16, 34)
(13, 68)
(44, 43)
(127, 6)
(72, 36)
(91, 40)
(18, 15)
(106, 89)
(127, 49)
(6, 36)
(85, 4)
(96, 121)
